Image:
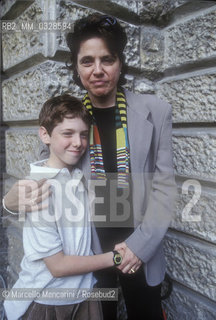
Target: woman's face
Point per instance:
(98, 69)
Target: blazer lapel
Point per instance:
(140, 131)
(139, 134)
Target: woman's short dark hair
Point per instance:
(100, 26)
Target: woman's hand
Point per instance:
(130, 263)
(27, 196)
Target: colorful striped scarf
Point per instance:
(122, 145)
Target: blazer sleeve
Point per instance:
(147, 237)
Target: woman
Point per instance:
(131, 137)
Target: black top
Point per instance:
(112, 230)
(105, 120)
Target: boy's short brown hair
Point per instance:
(57, 108)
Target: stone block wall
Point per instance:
(3, 237)
(171, 52)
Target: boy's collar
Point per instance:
(39, 167)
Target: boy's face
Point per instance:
(67, 143)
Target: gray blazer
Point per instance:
(149, 131)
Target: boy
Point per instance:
(57, 241)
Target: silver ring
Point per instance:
(132, 270)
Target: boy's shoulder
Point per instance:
(39, 170)
(145, 103)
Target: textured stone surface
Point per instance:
(129, 82)
(192, 98)
(15, 254)
(125, 10)
(191, 40)
(157, 11)
(5, 6)
(24, 45)
(152, 50)
(185, 305)
(132, 48)
(20, 45)
(132, 6)
(143, 86)
(7, 184)
(22, 148)
(11, 9)
(25, 93)
(3, 248)
(70, 11)
(195, 153)
(142, 11)
(192, 263)
(203, 209)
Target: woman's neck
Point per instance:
(107, 101)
